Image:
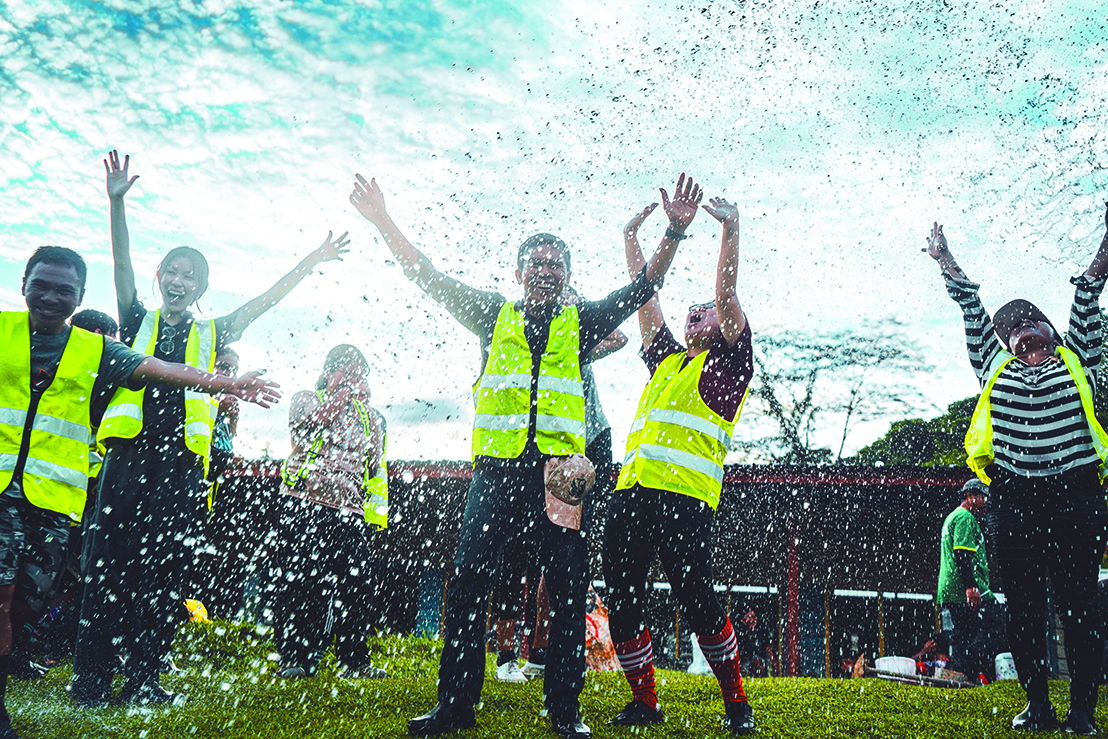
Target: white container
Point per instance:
(897, 665)
(1005, 667)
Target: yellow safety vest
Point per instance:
(678, 443)
(123, 417)
(55, 474)
(502, 395)
(979, 437)
(375, 482)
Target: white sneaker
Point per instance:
(509, 672)
(531, 670)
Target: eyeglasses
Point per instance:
(702, 306)
(167, 336)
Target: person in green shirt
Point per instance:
(964, 591)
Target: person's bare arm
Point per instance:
(331, 249)
(651, 319)
(1099, 266)
(938, 250)
(249, 386)
(732, 320)
(613, 343)
(680, 210)
(118, 183)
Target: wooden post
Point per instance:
(827, 631)
(880, 624)
(792, 609)
(777, 668)
(677, 634)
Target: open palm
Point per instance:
(686, 200)
(118, 181)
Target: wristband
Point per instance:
(674, 235)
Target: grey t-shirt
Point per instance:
(117, 364)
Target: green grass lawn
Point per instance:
(232, 693)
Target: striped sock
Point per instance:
(636, 657)
(722, 652)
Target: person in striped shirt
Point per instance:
(1035, 438)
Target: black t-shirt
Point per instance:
(117, 363)
(163, 407)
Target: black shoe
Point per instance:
(567, 724)
(740, 717)
(442, 719)
(292, 673)
(150, 694)
(1037, 716)
(89, 697)
(27, 670)
(637, 713)
(1079, 722)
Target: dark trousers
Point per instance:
(642, 523)
(972, 636)
(1052, 527)
(32, 561)
(321, 585)
(508, 504)
(139, 545)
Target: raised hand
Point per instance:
(723, 211)
(937, 247)
(368, 199)
(332, 249)
(632, 226)
(253, 389)
(118, 182)
(686, 199)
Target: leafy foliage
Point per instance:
(937, 442)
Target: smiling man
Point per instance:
(530, 408)
(51, 374)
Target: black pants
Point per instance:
(972, 634)
(643, 522)
(140, 543)
(32, 561)
(1052, 527)
(321, 585)
(508, 504)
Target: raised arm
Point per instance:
(1099, 266)
(681, 210)
(732, 320)
(249, 387)
(612, 344)
(331, 249)
(118, 183)
(938, 250)
(651, 319)
(465, 303)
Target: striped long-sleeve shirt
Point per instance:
(1039, 427)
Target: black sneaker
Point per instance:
(292, 673)
(442, 719)
(740, 717)
(150, 694)
(1079, 722)
(1036, 716)
(567, 724)
(637, 713)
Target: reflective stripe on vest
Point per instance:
(55, 472)
(123, 417)
(375, 483)
(979, 437)
(677, 443)
(502, 395)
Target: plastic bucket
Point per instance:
(1005, 666)
(898, 665)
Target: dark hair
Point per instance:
(534, 242)
(199, 266)
(61, 256)
(95, 321)
(337, 357)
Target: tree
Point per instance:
(937, 442)
(808, 383)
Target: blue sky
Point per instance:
(842, 131)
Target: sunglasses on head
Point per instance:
(702, 306)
